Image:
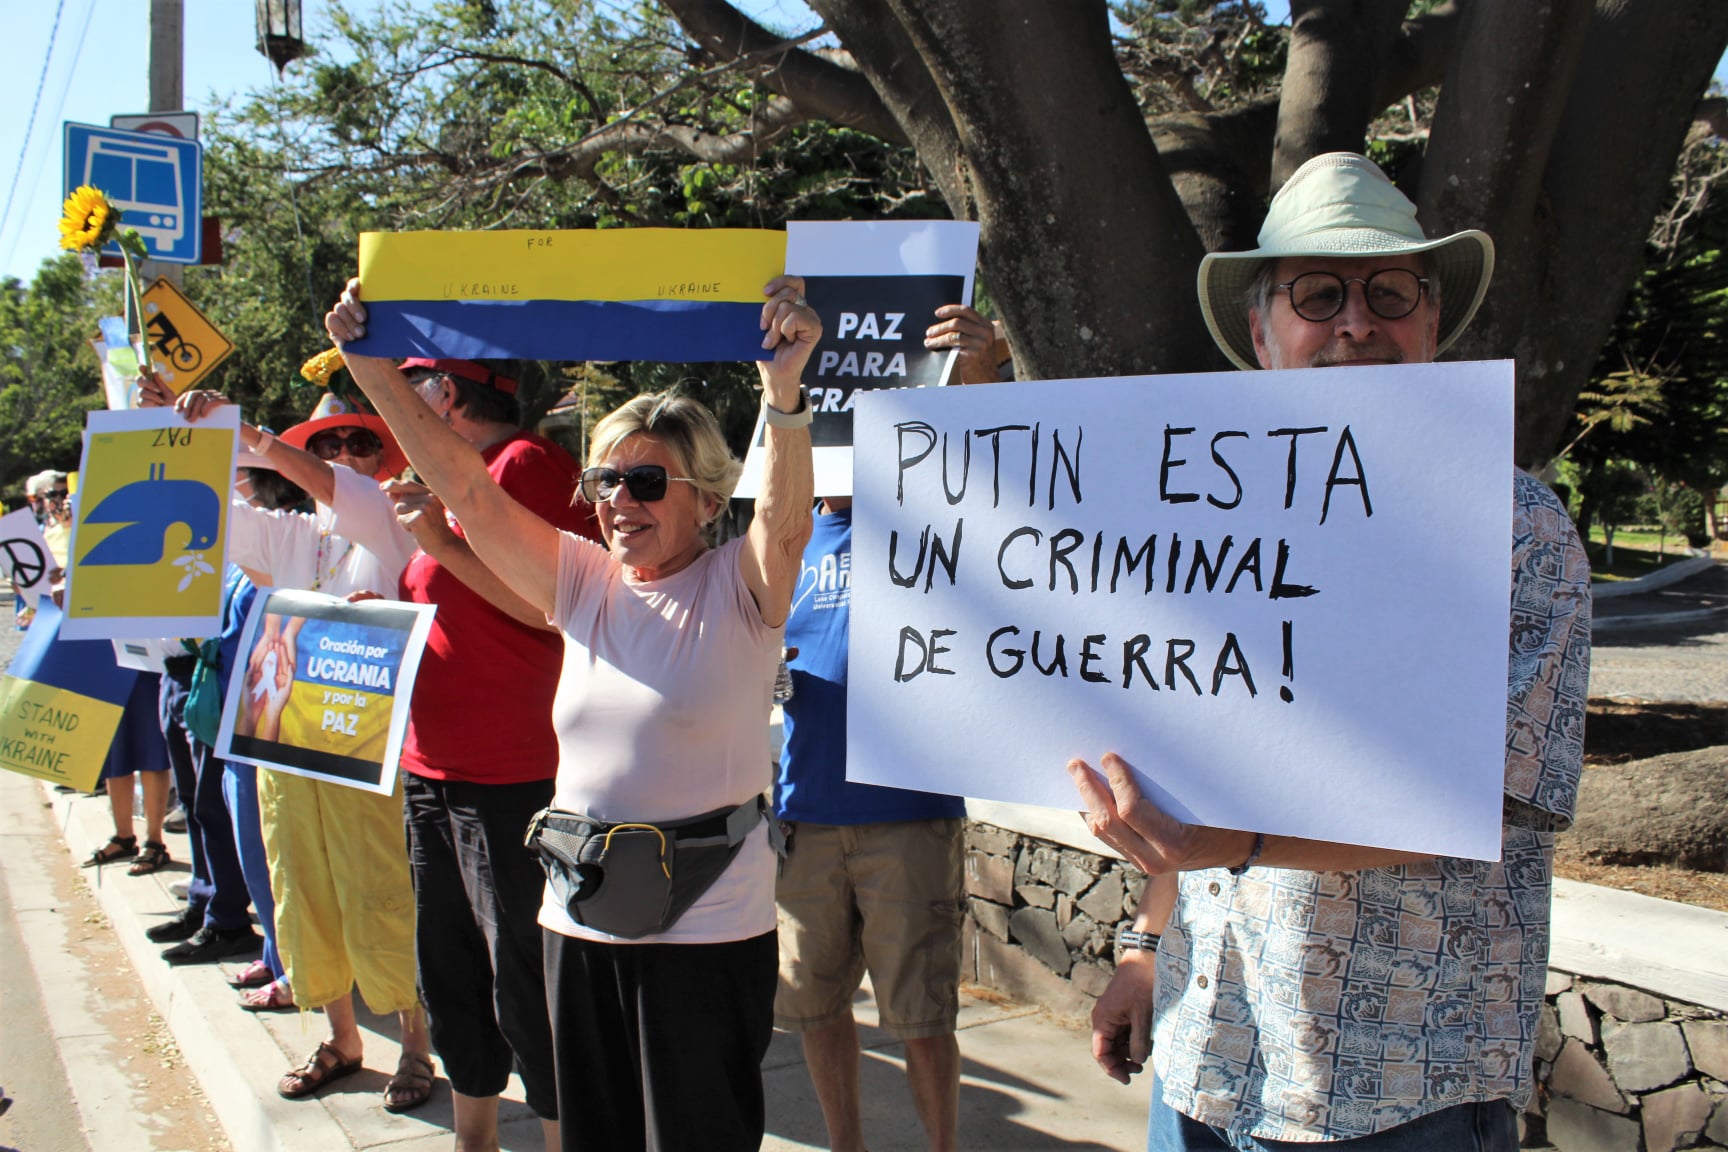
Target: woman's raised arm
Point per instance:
(774, 547)
(518, 546)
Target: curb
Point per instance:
(183, 998)
(1672, 574)
(1603, 624)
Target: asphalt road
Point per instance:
(1676, 662)
(43, 1117)
(83, 1054)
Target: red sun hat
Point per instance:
(332, 413)
(466, 369)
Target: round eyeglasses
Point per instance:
(1391, 293)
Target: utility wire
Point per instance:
(35, 106)
(59, 106)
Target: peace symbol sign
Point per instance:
(27, 562)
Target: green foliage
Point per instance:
(1193, 56)
(48, 377)
(1675, 325)
(1675, 510)
(490, 114)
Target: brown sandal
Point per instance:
(412, 1084)
(153, 858)
(117, 848)
(324, 1065)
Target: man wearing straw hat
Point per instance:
(1303, 991)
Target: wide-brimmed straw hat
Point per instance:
(1340, 204)
(334, 412)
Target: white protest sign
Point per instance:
(24, 552)
(1283, 597)
(876, 285)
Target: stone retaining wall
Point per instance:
(1619, 1069)
(1622, 1070)
(1041, 917)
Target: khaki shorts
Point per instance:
(884, 897)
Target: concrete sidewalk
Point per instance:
(1028, 1080)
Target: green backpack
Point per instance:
(204, 700)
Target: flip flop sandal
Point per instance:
(117, 848)
(153, 858)
(412, 1084)
(255, 975)
(275, 996)
(322, 1067)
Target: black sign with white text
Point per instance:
(872, 337)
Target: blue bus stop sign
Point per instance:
(156, 181)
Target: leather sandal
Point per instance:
(255, 975)
(117, 848)
(275, 996)
(412, 1084)
(153, 858)
(322, 1067)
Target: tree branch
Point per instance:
(823, 89)
(1710, 118)
(581, 159)
(1220, 165)
(1087, 284)
(885, 54)
(575, 83)
(1330, 79)
(1418, 57)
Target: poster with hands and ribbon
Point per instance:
(322, 687)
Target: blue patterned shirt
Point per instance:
(1310, 1006)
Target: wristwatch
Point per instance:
(801, 418)
(1127, 937)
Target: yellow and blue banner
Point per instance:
(668, 294)
(322, 686)
(151, 534)
(60, 704)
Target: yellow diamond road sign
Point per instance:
(184, 345)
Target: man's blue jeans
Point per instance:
(1489, 1127)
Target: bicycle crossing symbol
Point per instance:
(184, 345)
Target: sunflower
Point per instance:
(87, 220)
(321, 367)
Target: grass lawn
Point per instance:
(1635, 553)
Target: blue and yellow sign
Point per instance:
(60, 704)
(322, 687)
(673, 294)
(151, 533)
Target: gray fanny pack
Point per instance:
(635, 879)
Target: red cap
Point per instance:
(466, 369)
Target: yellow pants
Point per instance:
(344, 898)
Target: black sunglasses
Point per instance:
(645, 482)
(359, 442)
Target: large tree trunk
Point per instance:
(1088, 252)
(1569, 248)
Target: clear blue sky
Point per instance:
(98, 68)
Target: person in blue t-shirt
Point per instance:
(873, 877)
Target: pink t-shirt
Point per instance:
(662, 713)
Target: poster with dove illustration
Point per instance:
(150, 538)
